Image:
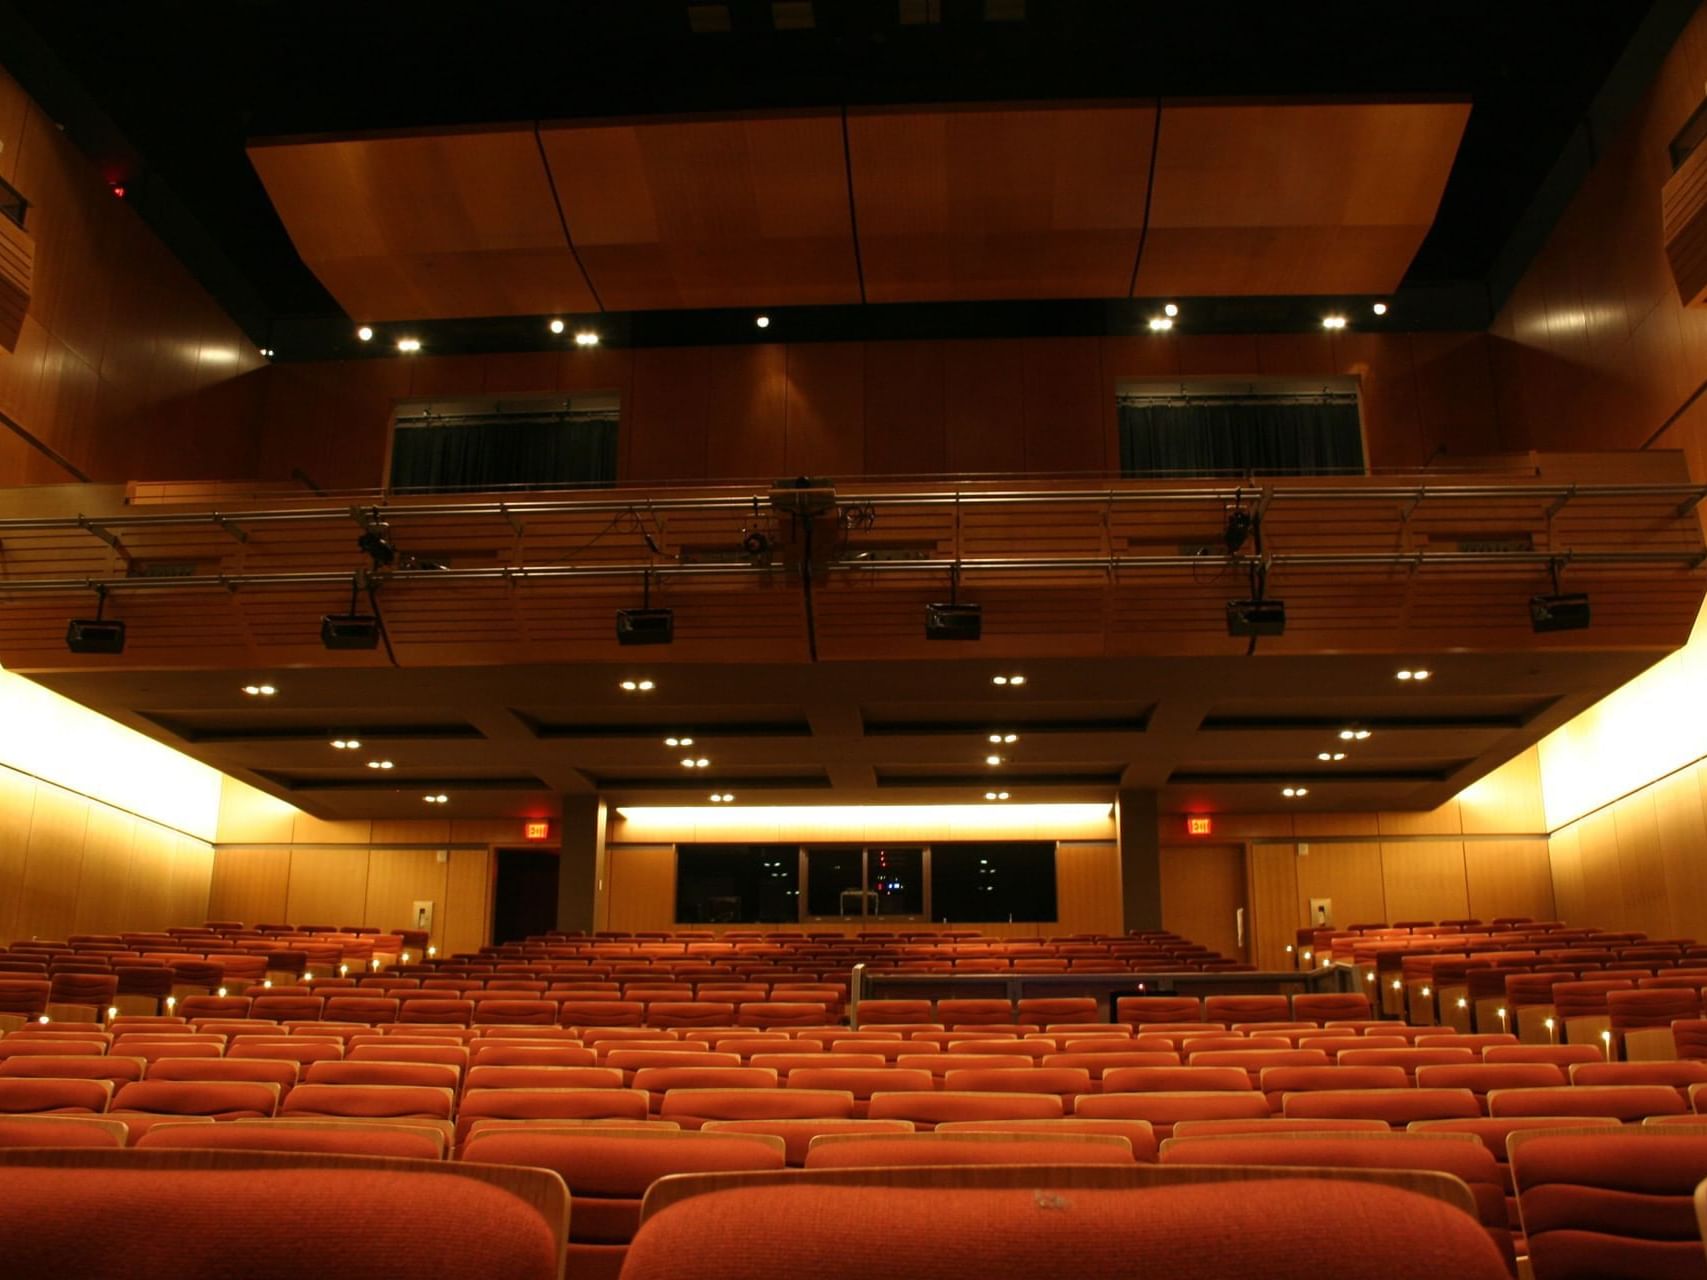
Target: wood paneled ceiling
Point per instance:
(913, 204)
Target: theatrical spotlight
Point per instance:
(954, 621)
(375, 543)
(1561, 611)
(97, 634)
(645, 626)
(1239, 523)
(756, 546)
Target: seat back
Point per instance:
(1616, 1202)
(1398, 1107)
(1628, 1102)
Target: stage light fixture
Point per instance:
(1256, 617)
(1559, 612)
(260, 690)
(1160, 324)
(349, 631)
(645, 626)
(365, 333)
(954, 621)
(408, 346)
(556, 326)
(1333, 322)
(1171, 310)
(1380, 308)
(586, 338)
(99, 634)
(764, 322)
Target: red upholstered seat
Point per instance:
(1494, 1135)
(426, 1009)
(371, 1009)
(76, 1067)
(780, 1013)
(608, 1171)
(1469, 1161)
(1482, 1078)
(797, 1135)
(500, 1010)
(1164, 1110)
(1274, 1230)
(1277, 1124)
(926, 1110)
(427, 1075)
(1559, 1055)
(1068, 1082)
(1407, 1059)
(1679, 1075)
(59, 1131)
(370, 1101)
(896, 1011)
(498, 1053)
(1140, 1136)
(691, 1108)
(1176, 1080)
(1138, 1010)
(973, 1013)
(279, 1071)
(866, 1151)
(1233, 1009)
(1628, 1103)
(690, 1013)
(862, 1082)
(1611, 1204)
(548, 1104)
(282, 1008)
(1058, 1010)
(1396, 1106)
(1325, 1007)
(155, 1221)
(601, 1013)
(1276, 1082)
(54, 1097)
(394, 1141)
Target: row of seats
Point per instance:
(1587, 1201)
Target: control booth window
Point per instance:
(466, 445)
(1215, 427)
(993, 882)
(737, 884)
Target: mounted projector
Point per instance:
(954, 621)
(1559, 612)
(94, 635)
(645, 626)
(803, 496)
(349, 631)
(1256, 617)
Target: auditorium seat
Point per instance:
(1010, 1224)
(1326, 1007)
(692, 1107)
(1629, 1102)
(1495, 1134)
(601, 1013)
(1136, 1011)
(336, 1137)
(1398, 1107)
(1481, 1078)
(1563, 1056)
(1467, 1160)
(166, 1215)
(1681, 1076)
(428, 1075)
(279, 1071)
(1062, 1010)
(1276, 1082)
(797, 1135)
(60, 1131)
(862, 1082)
(868, 1151)
(608, 1172)
(1140, 1137)
(1165, 1109)
(1237, 1009)
(895, 1011)
(927, 1110)
(1066, 1082)
(499, 1053)
(371, 1101)
(76, 1067)
(145, 1103)
(55, 1097)
(548, 1104)
(1617, 1203)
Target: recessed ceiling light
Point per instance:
(1360, 735)
(995, 795)
(1330, 755)
(268, 352)
(1380, 308)
(365, 333)
(259, 690)
(722, 798)
(1403, 675)
(408, 345)
(1171, 310)
(637, 686)
(1160, 324)
(379, 764)
(586, 338)
(992, 759)
(1421, 674)
(347, 744)
(1333, 322)
(556, 326)
(1010, 681)
(764, 322)
(1292, 793)
(702, 762)
(439, 799)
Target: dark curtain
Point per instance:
(544, 452)
(1234, 436)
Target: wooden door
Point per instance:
(1203, 889)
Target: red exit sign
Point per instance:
(537, 831)
(1199, 825)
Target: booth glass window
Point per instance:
(737, 884)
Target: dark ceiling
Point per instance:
(166, 95)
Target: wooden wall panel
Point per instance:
(1275, 917)
(192, 876)
(1087, 888)
(1203, 886)
(17, 812)
(1509, 878)
(1680, 805)
(1603, 890)
(1564, 852)
(1350, 874)
(826, 409)
(152, 856)
(467, 914)
(327, 886)
(665, 420)
(54, 863)
(986, 408)
(1641, 867)
(1506, 801)
(1443, 821)
(747, 413)
(1063, 405)
(399, 878)
(906, 418)
(104, 890)
(251, 886)
(1424, 880)
(642, 892)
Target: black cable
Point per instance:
(379, 621)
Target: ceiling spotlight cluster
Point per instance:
(1332, 756)
(408, 346)
(992, 760)
(346, 744)
(379, 764)
(586, 338)
(1416, 673)
(1011, 682)
(438, 799)
(1000, 738)
(1333, 322)
(678, 742)
(1294, 793)
(1354, 733)
(691, 762)
(638, 686)
(260, 690)
(722, 797)
(995, 795)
